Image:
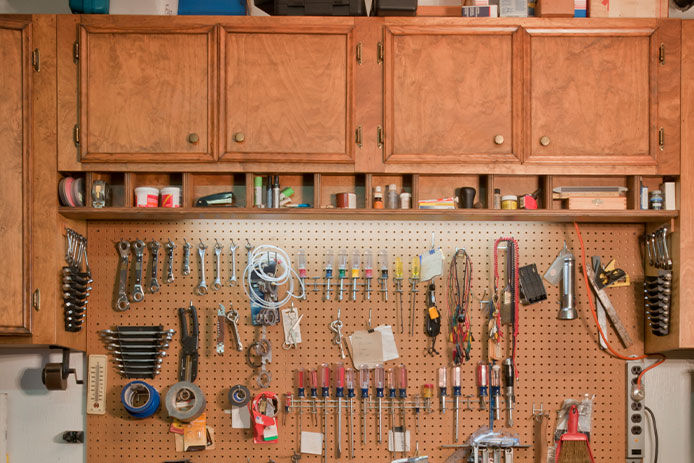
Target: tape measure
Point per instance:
(96, 387)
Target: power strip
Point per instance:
(635, 415)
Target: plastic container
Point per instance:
(146, 196)
(405, 199)
(171, 196)
(153, 7)
(313, 7)
(212, 7)
(509, 202)
(497, 198)
(392, 197)
(656, 200)
(89, 6)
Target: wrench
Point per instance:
(217, 284)
(233, 317)
(122, 302)
(232, 278)
(154, 282)
(186, 257)
(138, 294)
(170, 257)
(201, 289)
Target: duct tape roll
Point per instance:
(52, 377)
(140, 399)
(239, 395)
(185, 401)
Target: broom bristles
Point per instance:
(574, 451)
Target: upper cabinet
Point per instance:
(15, 212)
(287, 91)
(593, 95)
(147, 90)
(451, 93)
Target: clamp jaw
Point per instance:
(188, 366)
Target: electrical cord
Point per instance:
(655, 433)
(458, 306)
(593, 311)
(264, 256)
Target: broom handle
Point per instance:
(540, 438)
(573, 420)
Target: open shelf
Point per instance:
(540, 215)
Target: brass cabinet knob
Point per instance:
(544, 141)
(239, 137)
(499, 139)
(193, 138)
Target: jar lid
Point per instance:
(392, 187)
(509, 198)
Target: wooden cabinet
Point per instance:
(592, 95)
(147, 90)
(287, 91)
(452, 93)
(15, 212)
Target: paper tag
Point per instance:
(433, 313)
(390, 349)
(432, 264)
(553, 274)
(312, 442)
(398, 441)
(240, 418)
(270, 432)
(367, 348)
(289, 318)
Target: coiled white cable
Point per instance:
(263, 256)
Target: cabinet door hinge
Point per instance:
(661, 139)
(357, 136)
(359, 47)
(380, 135)
(379, 52)
(76, 134)
(661, 54)
(36, 300)
(76, 51)
(36, 60)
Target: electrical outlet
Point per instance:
(635, 415)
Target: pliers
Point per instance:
(188, 365)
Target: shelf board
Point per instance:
(540, 215)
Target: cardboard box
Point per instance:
(555, 8)
(625, 9)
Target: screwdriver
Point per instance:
(510, 396)
(349, 384)
(379, 378)
(325, 393)
(313, 382)
(368, 272)
(414, 279)
(456, 397)
(427, 395)
(402, 390)
(287, 405)
(496, 390)
(364, 384)
(339, 393)
(390, 384)
(397, 278)
(482, 383)
(341, 271)
(300, 375)
(329, 258)
(416, 412)
(356, 264)
(443, 382)
(383, 279)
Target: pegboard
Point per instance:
(555, 359)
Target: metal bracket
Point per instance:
(36, 60)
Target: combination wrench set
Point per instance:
(138, 351)
(657, 290)
(77, 280)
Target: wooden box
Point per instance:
(619, 203)
(555, 8)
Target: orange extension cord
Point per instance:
(591, 302)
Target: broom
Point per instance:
(573, 447)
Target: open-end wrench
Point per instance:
(217, 284)
(201, 289)
(232, 278)
(233, 317)
(662, 238)
(138, 294)
(154, 282)
(169, 261)
(186, 257)
(122, 302)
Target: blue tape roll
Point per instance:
(149, 408)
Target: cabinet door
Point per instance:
(592, 96)
(147, 91)
(450, 93)
(15, 128)
(287, 91)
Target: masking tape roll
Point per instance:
(239, 395)
(130, 393)
(185, 401)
